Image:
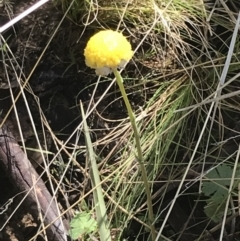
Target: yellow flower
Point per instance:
(107, 50)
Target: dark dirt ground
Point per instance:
(59, 81)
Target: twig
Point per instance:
(22, 15)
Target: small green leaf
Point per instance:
(83, 223)
(217, 191)
(222, 174)
(215, 210)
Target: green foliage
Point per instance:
(82, 224)
(217, 191)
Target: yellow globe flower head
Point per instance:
(107, 50)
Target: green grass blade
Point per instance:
(100, 207)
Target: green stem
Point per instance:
(139, 151)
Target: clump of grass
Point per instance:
(159, 126)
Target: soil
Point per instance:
(59, 81)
